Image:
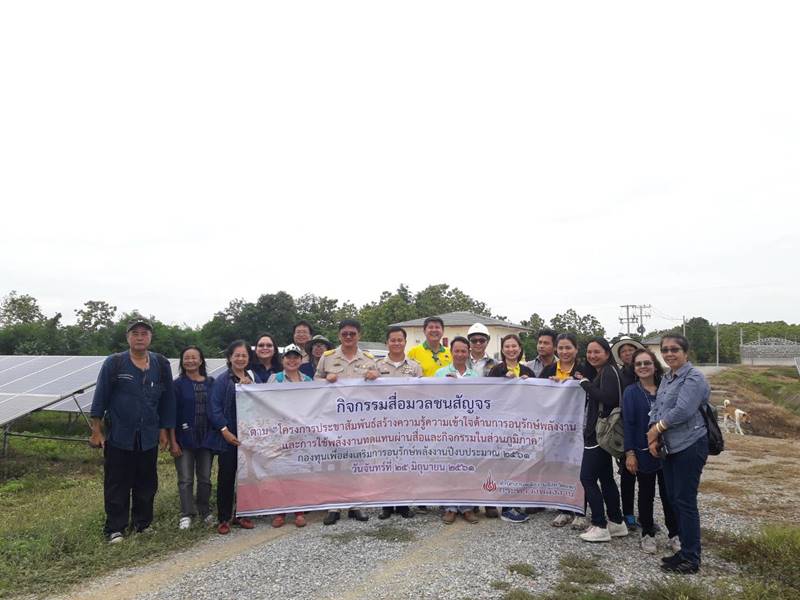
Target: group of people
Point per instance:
(138, 407)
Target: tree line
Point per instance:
(99, 328)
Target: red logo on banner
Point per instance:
(489, 485)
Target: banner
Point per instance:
(405, 441)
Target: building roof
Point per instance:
(462, 318)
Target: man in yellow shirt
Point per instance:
(430, 354)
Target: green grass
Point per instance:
(773, 554)
(583, 570)
(518, 594)
(499, 585)
(779, 384)
(51, 533)
(523, 569)
(387, 533)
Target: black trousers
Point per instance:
(226, 483)
(126, 474)
(596, 466)
(647, 494)
(627, 485)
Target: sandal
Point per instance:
(278, 521)
(300, 520)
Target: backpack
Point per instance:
(610, 430)
(716, 443)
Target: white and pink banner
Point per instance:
(397, 441)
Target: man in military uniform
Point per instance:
(397, 365)
(346, 362)
(431, 354)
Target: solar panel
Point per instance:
(214, 367)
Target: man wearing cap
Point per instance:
(546, 349)
(622, 351)
(346, 361)
(431, 354)
(301, 335)
(479, 361)
(135, 398)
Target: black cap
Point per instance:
(138, 322)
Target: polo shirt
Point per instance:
(451, 370)
(429, 361)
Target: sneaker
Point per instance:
(563, 519)
(532, 510)
(674, 544)
(185, 523)
(491, 512)
(671, 558)
(470, 517)
(405, 512)
(385, 513)
(581, 523)
(512, 515)
(596, 534)
(224, 528)
(210, 520)
(648, 544)
(631, 523)
(331, 517)
(357, 514)
(681, 567)
(146, 530)
(116, 538)
(617, 529)
(278, 521)
(449, 517)
(243, 522)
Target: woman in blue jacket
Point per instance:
(267, 360)
(678, 429)
(187, 440)
(637, 402)
(222, 437)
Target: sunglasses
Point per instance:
(643, 363)
(348, 333)
(671, 350)
(478, 340)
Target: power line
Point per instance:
(631, 317)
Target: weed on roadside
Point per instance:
(523, 569)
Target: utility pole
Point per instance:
(741, 336)
(718, 344)
(684, 325)
(629, 318)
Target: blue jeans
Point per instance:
(596, 466)
(682, 472)
(190, 461)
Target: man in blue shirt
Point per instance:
(134, 397)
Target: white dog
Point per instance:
(736, 416)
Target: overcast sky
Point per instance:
(171, 156)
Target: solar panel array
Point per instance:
(29, 383)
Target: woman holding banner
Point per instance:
(222, 437)
(563, 369)
(290, 374)
(511, 366)
(603, 394)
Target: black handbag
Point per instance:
(716, 443)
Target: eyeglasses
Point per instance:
(671, 350)
(265, 346)
(348, 333)
(643, 363)
(478, 340)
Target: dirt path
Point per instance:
(753, 481)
